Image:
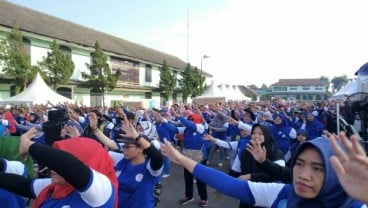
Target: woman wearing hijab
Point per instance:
(137, 167)
(82, 174)
(250, 169)
(314, 183)
(282, 133)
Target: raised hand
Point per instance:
(171, 152)
(128, 128)
(26, 142)
(351, 166)
(93, 121)
(257, 150)
(72, 131)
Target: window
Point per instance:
(148, 95)
(129, 70)
(306, 88)
(148, 73)
(66, 50)
(318, 88)
(293, 88)
(27, 46)
(279, 89)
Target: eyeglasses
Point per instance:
(125, 147)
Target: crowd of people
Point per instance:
(281, 154)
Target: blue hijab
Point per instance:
(332, 194)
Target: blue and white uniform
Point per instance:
(279, 195)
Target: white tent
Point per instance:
(225, 91)
(232, 93)
(350, 88)
(238, 95)
(221, 93)
(213, 94)
(38, 92)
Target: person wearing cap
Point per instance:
(137, 167)
(193, 146)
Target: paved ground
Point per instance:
(173, 191)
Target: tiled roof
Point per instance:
(299, 82)
(49, 26)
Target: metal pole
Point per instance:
(337, 117)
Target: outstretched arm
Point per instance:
(351, 166)
(106, 141)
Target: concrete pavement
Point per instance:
(173, 190)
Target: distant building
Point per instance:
(300, 89)
(139, 64)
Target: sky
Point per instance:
(246, 41)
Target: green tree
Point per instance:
(199, 85)
(252, 86)
(100, 78)
(326, 80)
(57, 67)
(192, 83)
(15, 59)
(185, 82)
(339, 82)
(167, 81)
(264, 87)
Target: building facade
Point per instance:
(300, 89)
(139, 65)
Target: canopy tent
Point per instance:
(38, 92)
(221, 93)
(232, 93)
(350, 88)
(360, 84)
(212, 95)
(237, 94)
(362, 74)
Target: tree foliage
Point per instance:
(199, 83)
(15, 60)
(167, 81)
(192, 82)
(100, 78)
(57, 67)
(339, 82)
(326, 80)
